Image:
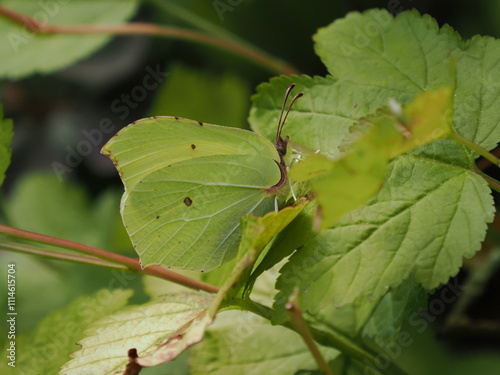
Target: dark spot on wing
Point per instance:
(199, 122)
(177, 118)
(157, 217)
(188, 201)
(193, 146)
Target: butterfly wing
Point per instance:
(182, 204)
(150, 144)
(187, 215)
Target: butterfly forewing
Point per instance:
(150, 144)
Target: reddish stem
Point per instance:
(135, 28)
(131, 263)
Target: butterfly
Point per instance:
(187, 184)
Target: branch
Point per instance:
(131, 263)
(484, 163)
(476, 148)
(59, 255)
(301, 327)
(134, 28)
(494, 184)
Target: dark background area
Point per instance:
(50, 112)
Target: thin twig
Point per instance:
(476, 148)
(134, 28)
(131, 263)
(493, 184)
(59, 255)
(484, 163)
(300, 326)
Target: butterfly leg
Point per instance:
(292, 191)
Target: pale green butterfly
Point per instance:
(187, 184)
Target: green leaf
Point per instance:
(366, 49)
(320, 120)
(259, 231)
(38, 193)
(47, 348)
(6, 134)
(432, 209)
(345, 184)
(218, 99)
(363, 51)
(186, 191)
(425, 119)
(171, 323)
(26, 53)
(384, 324)
(159, 330)
(476, 96)
(363, 327)
(370, 66)
(174, 322)
(243, 344)
(257, 234)
(292, 237)
(426, 218)
(73, 216)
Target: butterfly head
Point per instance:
(281, 144)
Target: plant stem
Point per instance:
(213, 29)
(196, 21)
(494, 184)
(134, 28)
(301, 327)
(329, 338)
(476, 148)
(339, 342)
(131, 263)
(482, 164)
(58, 255)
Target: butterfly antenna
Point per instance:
(281, 123)
(291, 105)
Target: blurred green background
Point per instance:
(54, 113)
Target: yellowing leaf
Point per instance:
(426, 119)
(159, 331)
(347, 183)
